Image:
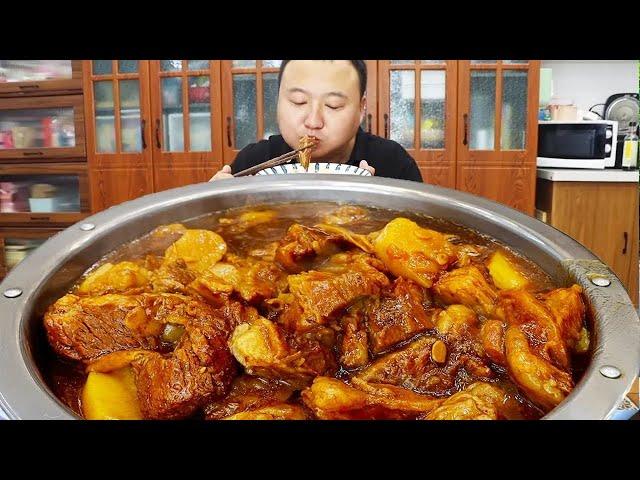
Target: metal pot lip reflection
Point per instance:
(48, 272)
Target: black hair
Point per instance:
(359, 65)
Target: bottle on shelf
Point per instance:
(630, 148)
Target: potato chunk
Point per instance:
(413, 252)
(123, 277)
(111, 396)
(200, 249)
(505, 275)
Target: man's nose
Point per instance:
(314, 118)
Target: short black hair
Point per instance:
(359, 65)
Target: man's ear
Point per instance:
(363, 107)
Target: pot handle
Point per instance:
(615, 333)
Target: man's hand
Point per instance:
(224, 172)
(365, 165)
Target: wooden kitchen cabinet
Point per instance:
(497, 130)
(40, 77)
(17, 243)
(249, 100)
(474, 127)
(470, 125)
(417, 109)
(603, 216)
(44, 181)
(153, 125)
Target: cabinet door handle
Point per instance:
(369, 120)
(158, 132)
(465, 119)
(229, 132)
(32, 154)
(30, 86)
(143, 123)
(386, 125)
(626, 239)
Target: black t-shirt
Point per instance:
(388, 157)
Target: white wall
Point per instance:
(588, 82)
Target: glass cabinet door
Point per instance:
(42, 127)
(250, 89)
(496, 116)
(497, 134)
(186, 108)
(40, 77)
(119, 130)
(42, 193)
(186, 99)
(418, 99)
(250, 99)
(118, 113)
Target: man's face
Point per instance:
(320, 98)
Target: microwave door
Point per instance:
(572, 141)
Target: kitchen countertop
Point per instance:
(587, 175)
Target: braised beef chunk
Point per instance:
(265, 349)
(467, 286)
(172, 277)
(430, 366)
(249, 393)
(325, 293)
(346, 214)
(401, 312)
(200, 369)
(85, 328)
(480, 401)
(316, 312)
(354, 346)
(301, 244)
(253, 280)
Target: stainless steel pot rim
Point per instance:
(23, 393)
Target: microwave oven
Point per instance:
(578, 144)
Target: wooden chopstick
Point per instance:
(287, 157)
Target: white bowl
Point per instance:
(330, 168)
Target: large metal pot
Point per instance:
(49, 271)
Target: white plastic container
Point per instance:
(43, 204)
(563, 110)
